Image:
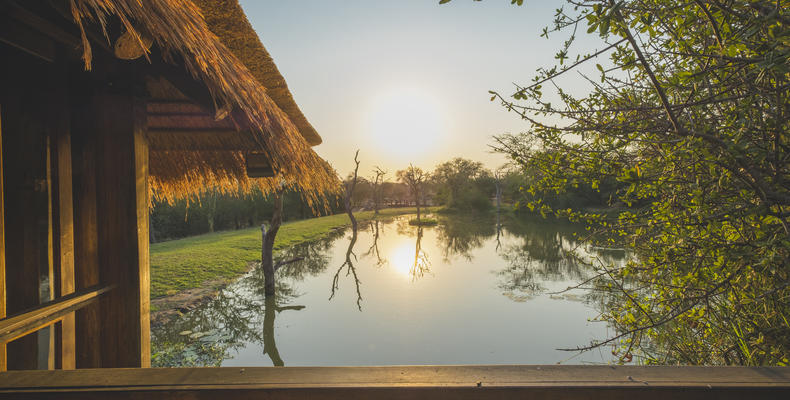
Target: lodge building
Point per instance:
(106, 105)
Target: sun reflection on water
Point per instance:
(409, 260)
(401, 257)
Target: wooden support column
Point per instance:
(3, 358)
(63, 219)
(25, 206)
(86, 249)
(46, 292)
(122, 216)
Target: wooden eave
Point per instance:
(180, 113)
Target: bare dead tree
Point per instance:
(350, 184)
(267, 242)
(378, 180)
(350, 270)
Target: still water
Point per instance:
(470, 290)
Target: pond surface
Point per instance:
(470, 290)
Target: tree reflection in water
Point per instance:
(269, 345)
(421, 264)
(374, 247)
(548, 252)
(234, 317)
(535, 250)
(350, 270)
(531, 253)
(460, 235)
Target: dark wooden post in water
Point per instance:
(267, 242)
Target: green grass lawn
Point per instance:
(188, 263)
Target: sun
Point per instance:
(405, 121)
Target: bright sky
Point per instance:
(405, 81)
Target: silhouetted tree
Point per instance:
(350, 184)
(378, 179)
(414, 178)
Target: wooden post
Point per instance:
(111, 230)
(86, 249)
(25, 206)
(3, 358)
(63, 246)
(48, 293)
(122, 211)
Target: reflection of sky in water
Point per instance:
(457, 293)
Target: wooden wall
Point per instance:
(75, 208)
(27, 190)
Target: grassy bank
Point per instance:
(188, 263)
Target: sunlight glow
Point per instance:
(405, 122)
(401, 258)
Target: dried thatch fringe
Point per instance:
(178, 27)
(226, 19)
(224, 172)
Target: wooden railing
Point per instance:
(413, 382)
(46, 314)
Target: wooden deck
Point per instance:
(408, 382)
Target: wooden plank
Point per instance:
(63, 210)
(434, 382)
(432, 393)
(178, 107)
(86, 250)
(196, 122)
(122, 209)
(49, 291)
(31, 320)
(143, 239)
(205, 140)
(3, 357)
(24, 135)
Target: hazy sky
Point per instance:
(405, 80)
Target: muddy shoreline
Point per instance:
(171, 307)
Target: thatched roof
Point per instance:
(181, 166)
(227, 20)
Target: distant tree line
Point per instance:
(458, 184)
(214, 211)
